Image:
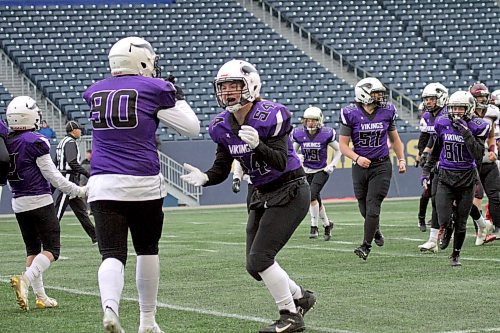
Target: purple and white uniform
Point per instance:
(369, 131)
(314, 147)
(270, 120)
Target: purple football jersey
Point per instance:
(315, 147)
(428, 119)
(454, 154)
(123, 114)
(25, 178)
(270, 120)
(369, 131)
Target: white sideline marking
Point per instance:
(195, 310)
(493, 329)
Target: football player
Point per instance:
(31, 170)
(488, 170)
(434, 97)
(255, 132)
(459, 144)
(312, 140)
(126, 188)
(369, 123)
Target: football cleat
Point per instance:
(328, 231)
(314, 233)
(446, 237)
(306, 302)
(288, 322)
(362, 251)
(154, 329)
(111, 322)
(45, 302)
(21, 287)
(455, 261)
(379, 238)
(483, 232)
(428, 246)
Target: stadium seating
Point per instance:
(408, 43)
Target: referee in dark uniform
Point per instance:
(67, 157)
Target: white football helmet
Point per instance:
(436, 90)
(496, 97)
(237, 71)
(366, 87)
(313, 113)
(464, 99)
(23, 114)
(133, 56)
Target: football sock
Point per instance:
(295, 289)
(277, 282)
(147, 276)
(111, 280)
(37, 285)
(314, 212)
(39, 265)
(433, 235)
(323, 216)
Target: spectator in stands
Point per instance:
(126, 188)
(67, 162)
(368, 123)
(47, 131)
(434, 98)
(256, 132)
(32, 202)
(312, 140)
(459, 144)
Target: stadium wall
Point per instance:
(202, 153)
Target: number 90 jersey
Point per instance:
(123, 114)
(270, 120)
(369, 131)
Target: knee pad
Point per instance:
(258, 262)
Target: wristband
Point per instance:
(356, 160)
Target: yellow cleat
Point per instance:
(21, 287)
(46, 302)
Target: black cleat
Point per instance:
(288, 322)
(446, 237)
(362, 251)
(455, 261)
(328, 231)
(305, 303)
(379, 238)
(314, 233)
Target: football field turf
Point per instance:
(204, 286)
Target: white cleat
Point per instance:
(154, 329)
(45, 302)
(428, 246)
(111, 322)
(483, 232)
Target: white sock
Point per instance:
(37, 285)
(111, 280)
(294, 289)
(480, 222)
(314, 212)
(277, 282)
(323, 216)
(39, 265)
(433, 235)
(147, 277)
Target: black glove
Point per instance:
(179, 95)
(459, 123)
(423, 159)
(236, 185)
(171, 78)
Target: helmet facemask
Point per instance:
(232, 93)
